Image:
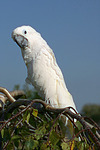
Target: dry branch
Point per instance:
(10, 96)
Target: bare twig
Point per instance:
(10, 96)
(3, 90)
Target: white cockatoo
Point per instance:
(42, 69)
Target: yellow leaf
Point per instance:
(35, 112)
(72, 145)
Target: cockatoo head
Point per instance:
(29, 40)
(25, 36)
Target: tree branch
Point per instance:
(42, 106)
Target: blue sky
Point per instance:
(72, 30)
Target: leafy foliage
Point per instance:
(31, 128)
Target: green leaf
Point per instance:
(43, 146)
(78, 128)
(31, 144)
(54, 138)
(39, 133)
(2, 133)
(28, 117)
(25, 116)
(78, 124)
(15, 137)
(65, 146)
(81, 146)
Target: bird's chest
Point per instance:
(38, 75)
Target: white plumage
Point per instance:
(43, 72)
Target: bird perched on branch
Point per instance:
(42, 69)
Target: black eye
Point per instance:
(25, 32)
